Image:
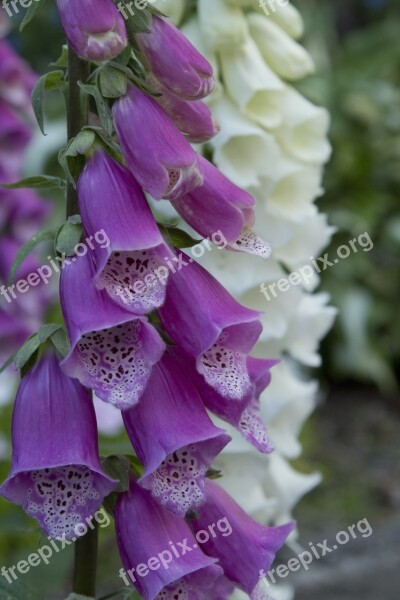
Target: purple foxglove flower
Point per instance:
(157, 154)
(94, 28)
(111, 352)
(244, 415)
(134, 248)
(211, 326)
(173, 437)
(16, 78)
(220, 205)
(159, 552)
(55, 474)
(15, 135)
(175, 61)
(193, 119)
(22, 210)
(247, 547)
(14, 330)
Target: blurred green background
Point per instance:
(353, 437)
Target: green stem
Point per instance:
(85, 567)
(77, 113)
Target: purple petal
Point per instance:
(16, 78)
(146, 530)
(130, 253)
(55, 474)
(94, 28)
(247, 547)
(173, 437)
(175, 61)
(110, 352)
(158, 155)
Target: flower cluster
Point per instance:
(163, 346)
(273, 142)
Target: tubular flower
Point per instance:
(145, 531)
(219, 333)
(15, 135)
(173, 437)
(135, 247)
(94, 28)
(244, 415)
(111, 352)
(16, 78)
(175, 61)
(55, 475)
(258, 544)
(220, 205)
(194, 119)
(161, 159)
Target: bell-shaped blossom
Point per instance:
(285, 56)
(132, 247)
(94, 28)
(111, 352)
(175, 61)
(194, 119)
(159, 552)
(219, 205)
(304, 128)
(15, 135)
(288, 18)
(173, 437)
(55, 474)
(225, 26)
(211, 326)
(158, 155)
(244, 415)
(248, 549)
(239, 137)
(16, 78)
(252, 85)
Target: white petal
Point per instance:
(173, 9)
(221, 24)
(285, 15)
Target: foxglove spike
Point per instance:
(158, 155)
(55, 474)
(111, 352)
(173, 437)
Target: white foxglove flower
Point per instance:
(285, 15)
(223, 25)
(304, 128)
(285, 56)
(252, 85)
(173, 9)
(238, 137)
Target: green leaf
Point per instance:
(117, 467)
(46, 182)
(8, 362)
(60, 341)
(30, 13)
(141, 21)
(47, 331)
(62, 61)
(24, 354)
(123, 594)
(113, 82)
(50, 81)
(68, 237)
(177, 237)
(103, 109)
(78, 597)
(27, 248)
(82, 143)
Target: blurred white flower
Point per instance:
(223, 25)
(287, 17)
(285, 56)
(252, 85)
(173, 9)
